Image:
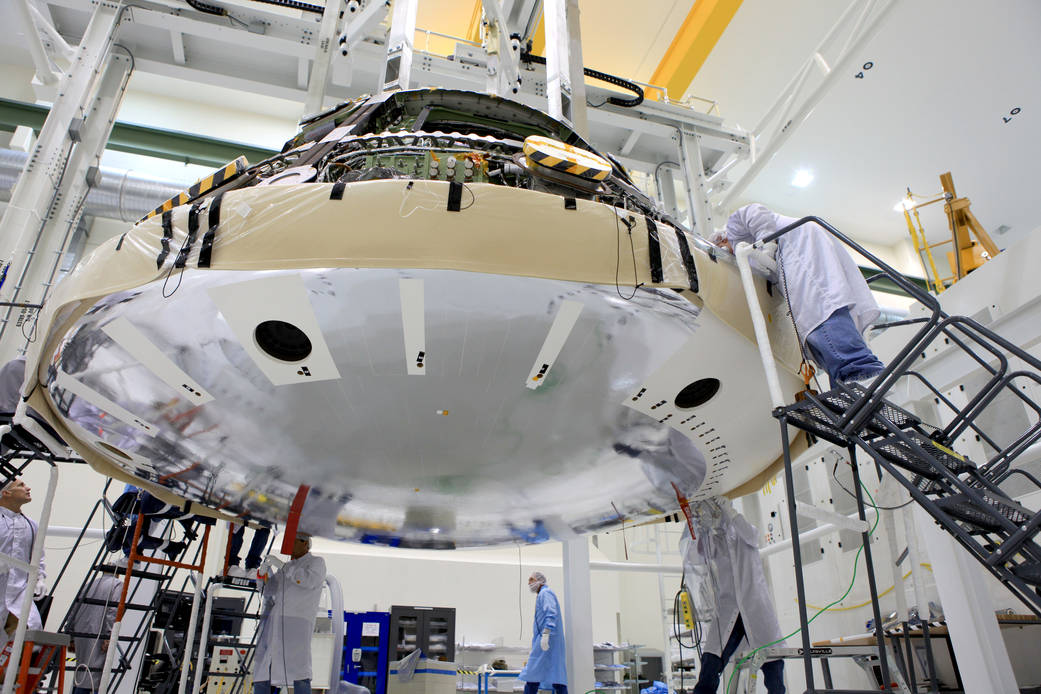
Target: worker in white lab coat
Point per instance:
(291, 595)
(97, 621)
(830, 301)
(726, 555)
(17, 535)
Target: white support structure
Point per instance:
(85, 155)
(666, 188)
(30, 583)
(203, 639)
(503, 52)
(762, 337)
(578, 615)
(974, 632)
(666, 659)
(837, 520)
(336, 607)
(697, 187)
(190, 636)
(44, 70)
(565, 82)
(397, 68)
(323, 56)
(360, 22)
(794, 111)
(22, 226)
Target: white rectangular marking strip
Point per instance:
(558, 333)
(282, 297)
(98, 400)
(413, 325)
(141, 348)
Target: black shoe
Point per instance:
(175, 549)
(115, 537)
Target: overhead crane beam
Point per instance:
(692, 44)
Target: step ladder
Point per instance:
(42, 652)
(962, 495)
(142, 582)
(232, 680)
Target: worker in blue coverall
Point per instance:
(545, 668)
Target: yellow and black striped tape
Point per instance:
(202, 186)
(561, 156)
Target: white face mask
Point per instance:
(534, 586)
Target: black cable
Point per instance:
(528, 57)
(618, 257)
(295, 5)
(206, 8)
(881, 508)
(180, 275)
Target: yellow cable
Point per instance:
(887, 591)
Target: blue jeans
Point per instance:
(299, 687)
(533, 688)
(712, 666)
(256, 546)
(839, 348)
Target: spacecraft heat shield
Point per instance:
(445, 363)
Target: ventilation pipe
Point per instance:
(120, 195)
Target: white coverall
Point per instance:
(291, 598)
(95, 619)
(17, 533)
(728, 546)
(819, 276)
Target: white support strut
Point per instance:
(397, 68)
(502, 50)
(762, 337)
(323, 55)
(22, 225)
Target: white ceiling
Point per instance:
(945, 72)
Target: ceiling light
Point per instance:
(802, 178)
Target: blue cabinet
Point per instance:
(365, 645)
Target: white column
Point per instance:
(565, 83)
(578, 615)
(397, 69)
(667, 191)
(503, 52)
(94, 134)
(694, 177)
(982, 658)
(323, 55)
(33, 194)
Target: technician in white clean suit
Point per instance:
(291, 597)
(17, 535)
(726, 557)
(830, 301)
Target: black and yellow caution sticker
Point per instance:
(201, 187)
(561, 156)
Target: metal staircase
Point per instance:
(149, 578)
(964, 496)
(19, 448)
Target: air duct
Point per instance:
(120, 195)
